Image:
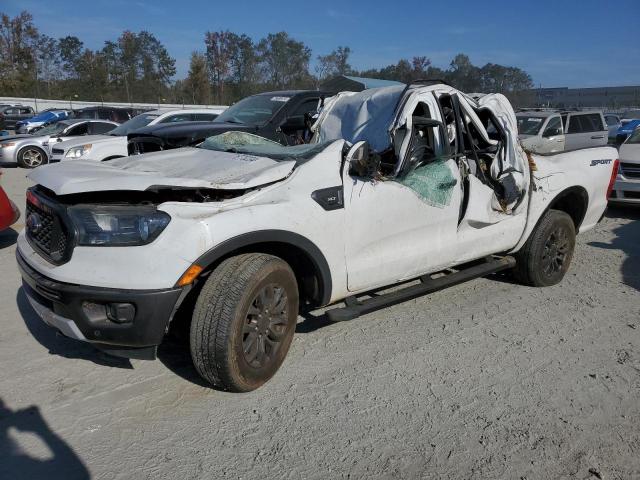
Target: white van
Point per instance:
(553, 131)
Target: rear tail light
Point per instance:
(614, 174)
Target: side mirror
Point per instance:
(358, 159)
(292, 124)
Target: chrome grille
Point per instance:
(630, 170)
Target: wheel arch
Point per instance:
(112, 157)
(32, 145)
(574, 201)
(303, 256)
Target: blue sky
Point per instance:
(560, 43)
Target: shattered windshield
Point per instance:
(53, 129)
(254, 110)
(529, 125)
(634, 137)
(249, 144)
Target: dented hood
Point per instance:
(182, 168)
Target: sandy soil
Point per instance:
(485, 380)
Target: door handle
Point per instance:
(595, 137)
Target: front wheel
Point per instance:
(31, 157)
(545, 257)
(244, 320)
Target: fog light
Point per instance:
(121, 312)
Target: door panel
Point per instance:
(485, 230)
(393, 233)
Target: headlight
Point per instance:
(77, 152)
(7, 144)
(118, 226)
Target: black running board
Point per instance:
(354, 308)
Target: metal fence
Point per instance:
(40, 104)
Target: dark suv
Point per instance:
(281, 116)
(10, 114)
(115, 114)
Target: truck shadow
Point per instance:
(626, 240)
(62, 461)
(58, 344)
(175, 355)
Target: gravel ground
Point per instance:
(485, 380)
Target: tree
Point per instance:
(18, 42)
(220, 46)
(335, 63)
(244, 65)
(48, 62)
(284, 61)
(463, 74)
(138, 65)
(196, 85)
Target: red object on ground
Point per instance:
(9, 213)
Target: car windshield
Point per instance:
(528, 125)
(249, 144)
(634, 137)
(53, 129)
(254, 110)
(130, 125)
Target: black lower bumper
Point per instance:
(121, 322)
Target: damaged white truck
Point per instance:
(415, 188)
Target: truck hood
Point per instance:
(630, 151)
(181, 168)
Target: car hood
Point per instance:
(630, 151)
(7, 138)
(183, 168)
(82, 140)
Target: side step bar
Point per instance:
(354, 308)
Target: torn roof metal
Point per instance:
(366, 115)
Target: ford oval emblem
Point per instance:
(34, 222)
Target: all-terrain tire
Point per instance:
(545, 257)
(243, 321)
(31, 157)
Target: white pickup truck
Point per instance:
(418, 188)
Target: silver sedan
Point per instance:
(30, 151)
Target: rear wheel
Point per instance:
(545, 257)
(31, 157)
(244, 320)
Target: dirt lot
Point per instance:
(485, 380)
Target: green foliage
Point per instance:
(136, 67)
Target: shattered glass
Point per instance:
(432, 182)
(235, 139)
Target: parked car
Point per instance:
(115, 114)
(31, 125)
(613, 124)
(12, 114)
(278, 116)
(30, 151)
(9, 213)
(114, 145)
(625, 130)
(627, 186)
(240, 234)
(550, 132)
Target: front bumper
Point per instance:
(127, 323)
(8, 155)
